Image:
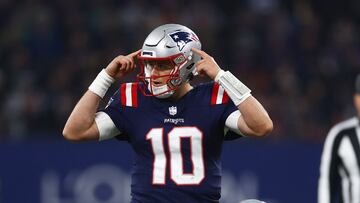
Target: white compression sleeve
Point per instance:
(106, 126)
(232, 122)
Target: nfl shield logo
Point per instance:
(172, 110)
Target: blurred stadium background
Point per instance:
(300, 57)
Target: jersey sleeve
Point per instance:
(230, 113)
(228, 110)
(115, 112)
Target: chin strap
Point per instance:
(161, 92)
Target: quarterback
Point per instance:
(176, 129)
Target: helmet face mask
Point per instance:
(168, 49)
(166, 72)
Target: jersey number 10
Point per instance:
(177, 174)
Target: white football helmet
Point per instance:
(170, 44)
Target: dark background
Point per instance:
(299, 57)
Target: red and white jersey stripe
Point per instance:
(219, 95)
(128, 94)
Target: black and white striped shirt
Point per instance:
(340, 164)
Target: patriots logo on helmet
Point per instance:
(182, 38)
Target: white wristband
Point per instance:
(236, 90)
(220, 73)
(101, 83)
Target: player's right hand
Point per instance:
(207, 65)
(122, 65)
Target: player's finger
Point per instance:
(203, 54)
(131, 64)
(122, 66)
(128, 61)
(200, 62)
(134, 54)
(126, 69)
(199, 67)
(123, 63)
(133, 58)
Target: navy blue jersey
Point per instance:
(177, 144)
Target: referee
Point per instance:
(340, 162)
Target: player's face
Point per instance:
(159, 68)
(357, 104)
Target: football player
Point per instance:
(176, 129)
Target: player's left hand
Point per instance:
(207, 65)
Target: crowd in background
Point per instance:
(299, 58)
